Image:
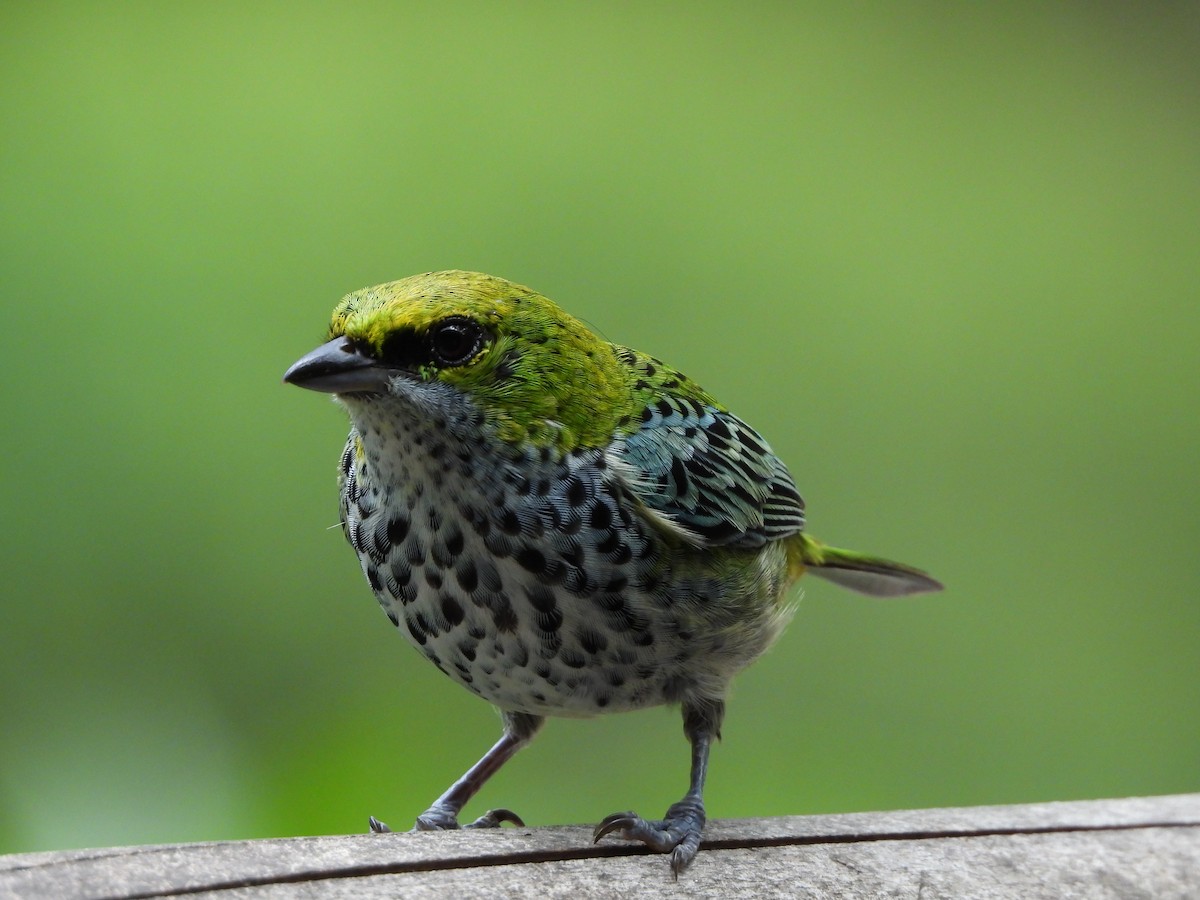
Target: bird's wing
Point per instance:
(709, 474)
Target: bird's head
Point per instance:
(537, 374)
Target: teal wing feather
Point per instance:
(706, 470)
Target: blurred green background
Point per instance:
(944, 256)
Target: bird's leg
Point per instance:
(679, 830)
(519, 729)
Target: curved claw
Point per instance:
(440, 819)
(376, 826)
(685, 851)
(678, 833)
(616, 822)
(494, 818)
(658, 836)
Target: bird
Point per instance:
(565, 526)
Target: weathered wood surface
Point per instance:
(1139, 847)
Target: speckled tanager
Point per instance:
(562, 525)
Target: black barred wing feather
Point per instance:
(709, 472)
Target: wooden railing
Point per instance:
(1132, 848)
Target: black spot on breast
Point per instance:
(416, 627)
(401, 571)
(576, 491)
(452, 612)
(395, 619)
(508, 522)
(601, 517)
(429, 627)
(504, 616)
(414, 551)
(621, 554)
(573, 658)
(397, 529)
(378, 548)
(373, 579)
(540, 598)
(468, 577)
(531, 559)
(547, 616)
(433, 578)
(592, 641)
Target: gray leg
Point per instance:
(679, 830)
(519, 729)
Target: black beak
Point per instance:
(339, 368)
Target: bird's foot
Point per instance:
(678, 833)
(438, 818)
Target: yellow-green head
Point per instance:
(538, 373)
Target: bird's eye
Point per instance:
(455, 341)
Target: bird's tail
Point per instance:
(859, 572)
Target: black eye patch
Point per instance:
(450, 342)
